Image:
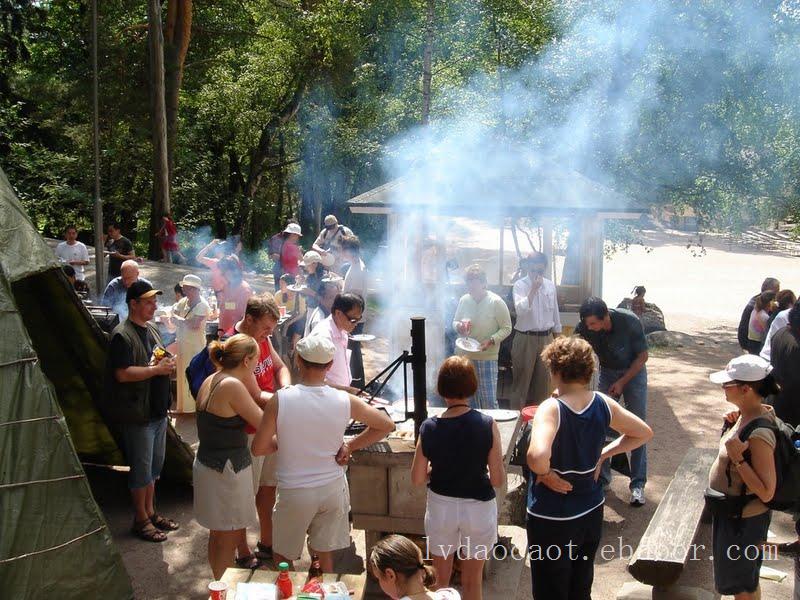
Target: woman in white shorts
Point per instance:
(396, 562)
(458, 456)
(223, 480)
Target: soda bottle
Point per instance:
(284, 584)
(314, 571)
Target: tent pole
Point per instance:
(99, 266)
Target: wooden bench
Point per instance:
(667, 544)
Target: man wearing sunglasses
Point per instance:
(538, 319)
(346, 311)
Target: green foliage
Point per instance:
(357, 68)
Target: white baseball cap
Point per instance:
(748, 367)
(192, 281)
(331, 220)
(316, 349)
(293, 228)
(311, 257)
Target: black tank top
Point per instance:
(221, 438)
(458, 450)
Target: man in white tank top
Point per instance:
(307, 421)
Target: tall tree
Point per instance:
(177, 35)
(158, 123)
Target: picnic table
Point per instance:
(355, 583)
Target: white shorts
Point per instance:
(453, 523)
(264, 467)
(321, 512)
(223, 501)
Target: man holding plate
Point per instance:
(482, 318)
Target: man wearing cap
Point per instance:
(189, 317)
(346, 311)
(329, 241)
(536, 305)
(307, 422)
(617, 337)
(139, 374)
(117, 289)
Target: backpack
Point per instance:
(199, 368)
(787, 461)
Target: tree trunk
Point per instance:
(427, 74)
(264, 150)
(158, 118)
(177, 34)
(278, 221)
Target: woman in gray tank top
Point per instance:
(223, 482)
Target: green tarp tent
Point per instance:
(54, 542)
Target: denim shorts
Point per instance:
(145, 446)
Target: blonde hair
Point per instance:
(402, 556)
(230, 353)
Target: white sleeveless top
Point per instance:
(311, 424)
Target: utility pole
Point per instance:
(99, 262)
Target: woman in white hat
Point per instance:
(189, 317)
(287, 252)
(314, 273)
(743, 477)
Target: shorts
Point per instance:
(453, 523)
(321, 512)
(145, 446)
(737, 552)
(265, 468)
(224, 501)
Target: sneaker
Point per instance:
(637, 497)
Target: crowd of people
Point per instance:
(271, 423)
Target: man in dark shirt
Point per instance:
(746, 344)
(617, 337)
(785, 359)
(119, 249)
(140, 398)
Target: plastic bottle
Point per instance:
(284, 584)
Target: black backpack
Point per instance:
(787, 461)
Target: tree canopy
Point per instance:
(283, 109)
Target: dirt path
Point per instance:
(701, 296)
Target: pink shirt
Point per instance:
(340, 369)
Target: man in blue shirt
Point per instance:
(617, 337)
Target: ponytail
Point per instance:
(230, 353)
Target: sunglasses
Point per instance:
(353, 321)
(731, 384)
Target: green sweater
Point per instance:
(490, 319)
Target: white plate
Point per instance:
(332, 278)
(501, 414)
(468, 344)
(362, 337)
(296, 288)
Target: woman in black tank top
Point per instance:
(224, 502)
(459, 457)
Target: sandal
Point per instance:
(146, 531)
(163, 523)
(263, 552)
(248, 562)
